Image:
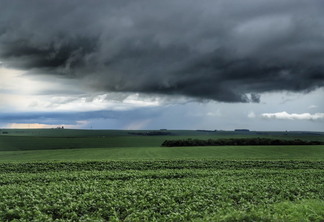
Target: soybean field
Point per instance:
(103, 178)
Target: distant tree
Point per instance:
(237, 142)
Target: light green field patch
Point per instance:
(170, 153)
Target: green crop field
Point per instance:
(71, 175)
(183, 190)
(169, 153)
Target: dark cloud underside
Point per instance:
(223, 50)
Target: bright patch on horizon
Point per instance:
(79, 125)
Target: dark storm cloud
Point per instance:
(223, 50)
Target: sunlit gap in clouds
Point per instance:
(27, 96)
(25, 93)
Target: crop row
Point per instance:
(34, 167)
(164, 193)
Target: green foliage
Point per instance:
(40, 167)
(239, 142)
(184, 190)
(292, 211)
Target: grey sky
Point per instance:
(223, 55)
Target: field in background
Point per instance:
(46, 139)
(65, 144)
(62, 175)
(169, 153)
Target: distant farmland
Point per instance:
(111, 175)
(16, 139)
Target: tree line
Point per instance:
(153, 133)
(237, 142)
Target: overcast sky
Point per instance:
(178, 64)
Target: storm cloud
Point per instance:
(225, 50)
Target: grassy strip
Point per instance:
(169, 153)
